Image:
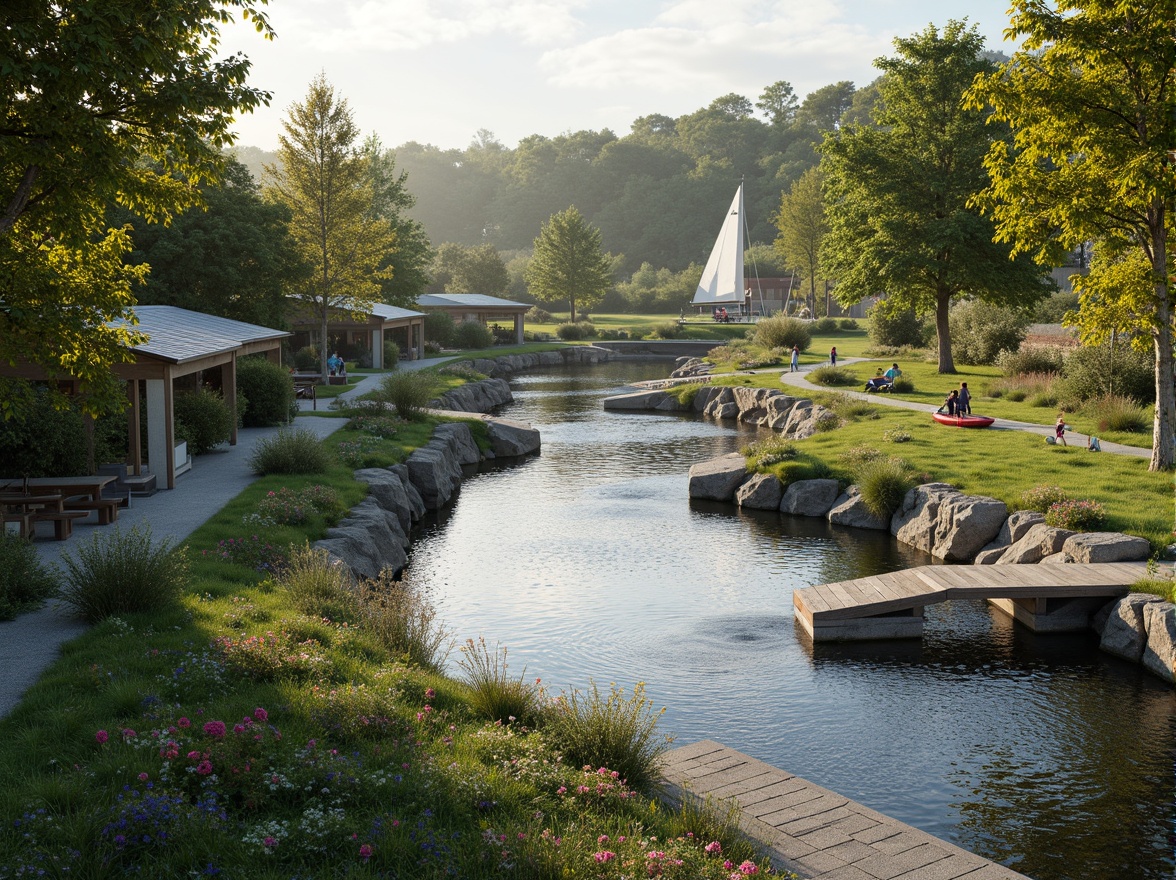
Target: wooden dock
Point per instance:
(1047, 598)
(814, 832)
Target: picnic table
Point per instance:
(30, 508)
(79, 496)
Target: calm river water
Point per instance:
(589, 561)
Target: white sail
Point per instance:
(722, 279)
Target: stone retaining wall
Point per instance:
(375, 534)
(794, 417)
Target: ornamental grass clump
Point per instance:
(405, 622)
(24, 582)
(289, 451)
(613, 731)
(317, 587)
(832, 376)
(684, 393)
(883, 483)
(119, 572)
(1077, 516)
(1113, 412)
(496, 694)
(408, 391)
(769, 451)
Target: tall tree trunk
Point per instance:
(1163, 451)
(943, 331)
(572, 301)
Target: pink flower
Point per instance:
(128, 733)
(604, 856)
(430, 693)
(270, 842)
(204, 767)
(102, 736)
(184, 722)
(714, 847)
(365, 852)
(260, 714)
(193, 755)
(238, 728)
(215, 729)
(602, 839)
(748, 868)
(143, 777)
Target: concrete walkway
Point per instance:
(798, 380)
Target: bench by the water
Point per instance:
(1047, 598)
(814, 832)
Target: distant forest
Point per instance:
(657, 194)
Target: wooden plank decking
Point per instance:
(891, 605)
(814, 832)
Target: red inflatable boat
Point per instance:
(962, 421)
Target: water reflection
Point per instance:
(589, 561)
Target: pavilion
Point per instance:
(477, 307)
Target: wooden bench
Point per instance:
(306, 388)
(106, 508)
(62, 521)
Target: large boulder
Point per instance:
(436, 473)
(369, 540)
(1125, 633)
(777, 409)
(803, 420)
(945, 522)
(809, 497)
(415, 502)
(1159, 655)
(717, 479)
(1037, 543)
(388, 489)
(760, 492)
(636, 401)
(479, 397)
(1012, 531)
(460, 440)
(1105, 547)
(509, 438)
(850, 510)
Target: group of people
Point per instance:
(336, 365)
(883, 381)
(959, 401)
(720, 315)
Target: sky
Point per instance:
(438, 71)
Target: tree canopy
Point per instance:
(568, 263)
(324, 178)
(898, 195)
(803, 226)
(90, 90)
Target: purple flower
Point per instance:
(215, 729)
(102, 736)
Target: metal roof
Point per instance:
(392, 313)
(467, 300)
(179, 335)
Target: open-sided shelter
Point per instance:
(477, 307)
(354, 329)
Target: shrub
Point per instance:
(305, 359)
(891, 325)
(902, 385)
(825, 325)
(883, 483)
(439, 328)
(832, 376)
(391, 355)
(1053, 309)
(1044, 399)
(471, 335)
(496, 694)
(252, 552)
(665, 330)
(780, 331)
(1041, 498)
(270, 392)
(121, 572)
(318, 588)
(856, 456)
(847, 324)
(612, 731)
(36, 438)
(896, 435)
(852, 408)
(537, 315)
(769, 451)
(570, 332)
(24, 582)
(285, 507)
(684, 393)
(432, 348)
(1115, 413)
(980, 331)
(1028, 359)
(378, 426)
(409, 391)
(274, 656)
(289, 451)
(827, 421)
(401, 616)
(1077, 516)
(1090, 371)
(206, 419)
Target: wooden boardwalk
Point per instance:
(814, 832)
(1046, 597)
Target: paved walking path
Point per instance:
(814, 832)
(798, 380)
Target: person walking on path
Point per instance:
(795, 366)
(833, 356)
(1060, 429)
(965, 403)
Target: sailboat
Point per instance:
(722, 281)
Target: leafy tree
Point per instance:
(326, 182)
(236, 258)
(391, 202)
(779, 103)
(1090, 100)
(898, 196)
(460, 269)
(802, 224)
(90, 90)
(822, 110)
(568, 262)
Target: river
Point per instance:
(589, 561)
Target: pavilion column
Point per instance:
(229, 389)
(157, 451)
(518, 329)
(378, 349)
(134, 437)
